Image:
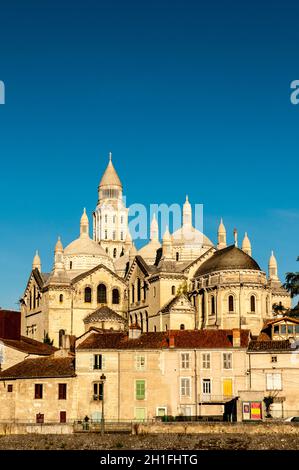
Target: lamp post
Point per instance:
(103, 380)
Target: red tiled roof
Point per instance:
(278, 345)
(30, 346)
(41, 367)
(183, 339)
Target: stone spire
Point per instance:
(110, 177)
(187, 213)
(236, 237)
(84, 225)
(167, 245)
(154, 235)
(58, 257)
(246, 245)
(36, 264)
(273, 271)
(221, 236)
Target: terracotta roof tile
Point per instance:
(184, 339)
(30, 346)
(41, 367)
(280, 345)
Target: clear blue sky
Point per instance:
(190, 96)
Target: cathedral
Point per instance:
(181, 281)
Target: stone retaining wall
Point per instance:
(18, 428)
(215, 428)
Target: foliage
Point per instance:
(292, 283)
(183, 288)
(47, 340)
(268, 402)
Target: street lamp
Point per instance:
(103, 380)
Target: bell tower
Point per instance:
(110, 218)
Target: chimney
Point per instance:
(236, 338)
(171, 341)
(134, 331)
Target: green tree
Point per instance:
(292, 286)
(292, 283)
(47, 340)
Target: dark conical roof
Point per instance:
(226, 259)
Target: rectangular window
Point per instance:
(9, 388)
(140, 389)
(185, 387)
(276, 329)
(185, 360)
(98, 390)
(62, 416)
(290, 329)
(113, 235)
(297, 329)
(206, 361)
(97, 361)
(62, 391)
(273, 381)
(140, 362)
(121, 235)
(283, 329)
(106, 234)
(206, 386)
(227, 361)
(38, 391)
(274, 359)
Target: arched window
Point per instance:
(102, 294)
(252, 303)
(231, 303)
(107, 251)
(141, 322)
(138, 290)
(144, 290)
(133, 293)
(213, 309)
(172, 290)
(154, 291)
(30, 301)
(131, 320)
(146, 321)
(114, 252)
(155, 328)
(87, 294)
(34, 297)
(182, 326)
(61, 298)
(177, 256)
(61, 334)
(166, 328)
(267, 304)
(136, 319)
(115, 296)
(71, 264)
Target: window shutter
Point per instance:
(277, 381)
(103, 362)
(269, 382)
(91, 362)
